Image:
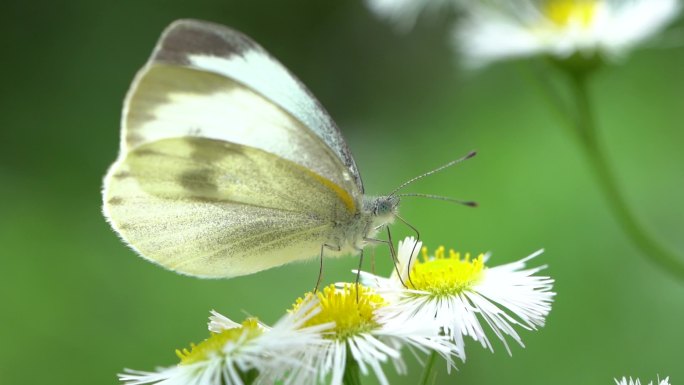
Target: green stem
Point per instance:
(588, 137)
(351, 371)
(429, 375)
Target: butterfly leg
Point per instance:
(358, 273)
(320, 269)
(413, 250)
(393, 253)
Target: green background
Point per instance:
(78, 306)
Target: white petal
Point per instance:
(516, 29)
(218, 322)
(405, 12)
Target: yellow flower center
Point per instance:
(571, 12)
(215, 343)
(351, 308)
(443, 275)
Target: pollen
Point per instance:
(564, 13)
(443, 275)
(351, 308)
(213, 346)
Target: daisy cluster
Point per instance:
(492, 30)
(630, 381)
(429, 306)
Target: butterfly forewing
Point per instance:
(245, 85)
(169, 101)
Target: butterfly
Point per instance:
(228, 165)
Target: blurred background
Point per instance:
(78, 306)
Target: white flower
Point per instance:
(624, 381)
(235, 352)
(459, 293)
(560, 28)
(404, 13)
(362, 338)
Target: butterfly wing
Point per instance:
(207, 80)
(212, 208)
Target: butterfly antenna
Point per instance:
(441, 198)
(440, 168)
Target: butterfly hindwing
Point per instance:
(211, 208)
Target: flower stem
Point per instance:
(429, 374)
(351, 374)
(588, 137)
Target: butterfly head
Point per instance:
(382, 208)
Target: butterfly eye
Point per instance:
(383, 206)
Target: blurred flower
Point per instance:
(404, 13)
(459, 292)
(624, 381)
(361, 338)
(561, 28)
(235, 354)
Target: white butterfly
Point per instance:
(228, 165)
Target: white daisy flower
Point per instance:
(236, 354)
(458, 293)
(625, 381)
(405, 13)
(361, 338)
(560, 28)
